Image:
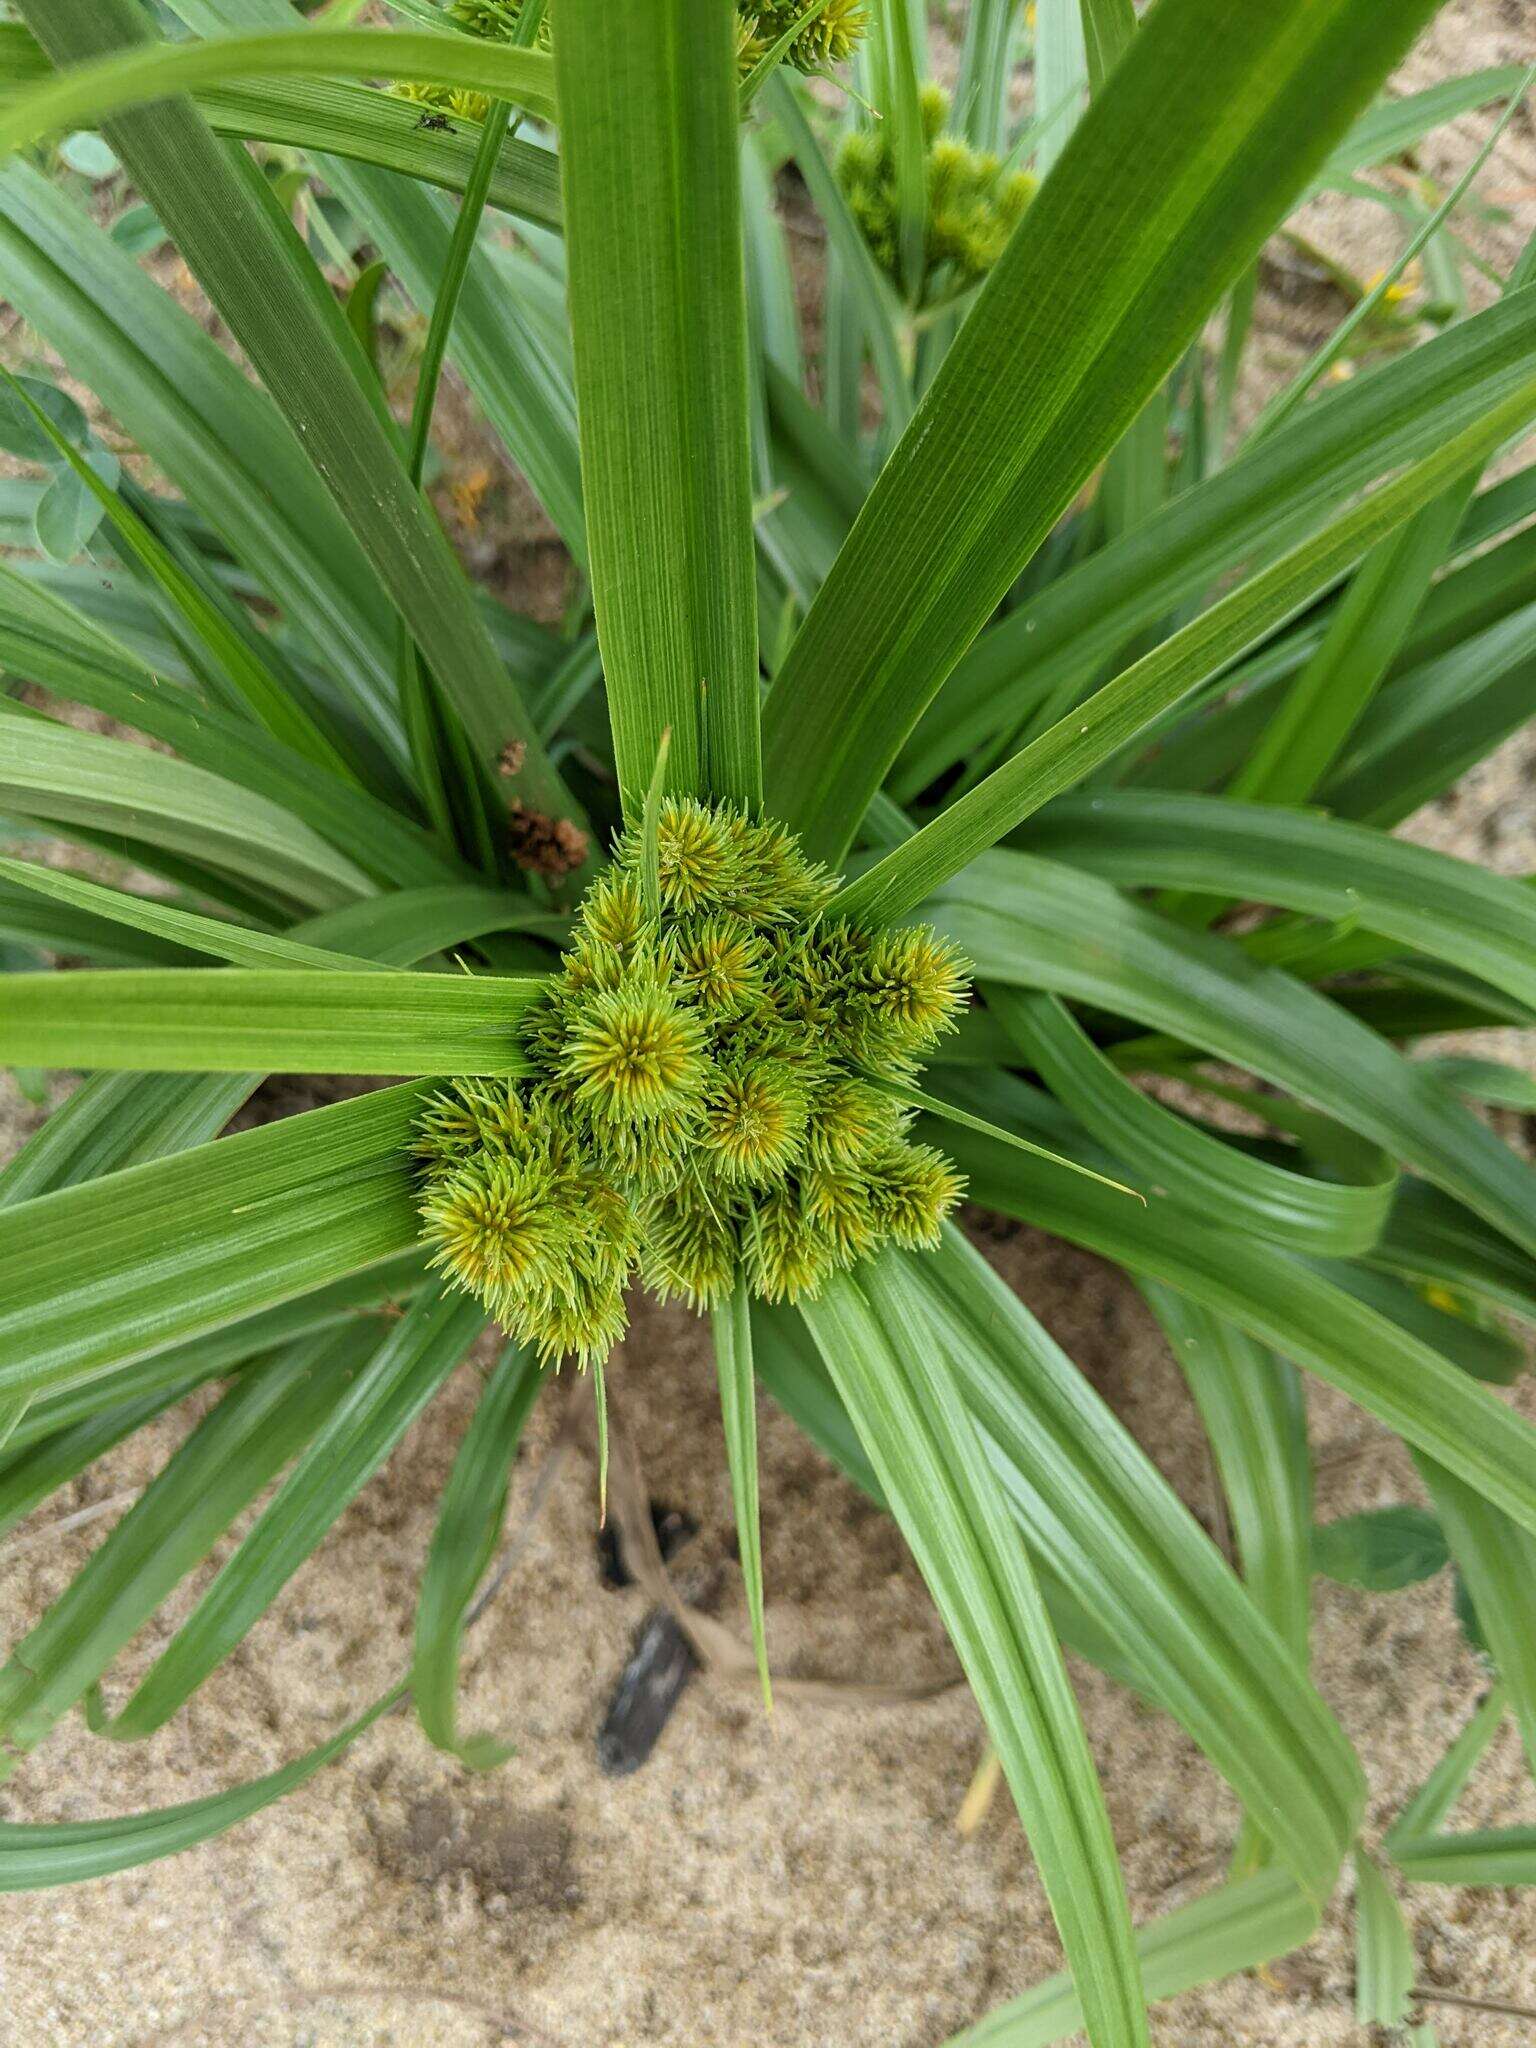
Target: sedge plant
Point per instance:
(866, 837)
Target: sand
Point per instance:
(793, 1884)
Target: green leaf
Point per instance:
(228, 1020)
(649, 143)
(360, 1426)
(23, 433)
(1471, 1339)
(1103, 1520)
(65, 777)
(1044, 378)
(36, 1855)
(1430, 1237)
(234, 1453)
(90, 91)
(1434, 722)
(1061, 73)
(117, 1120)
(1254, 1411)
(893, 56)
(127, 1265)
(1294, 392)
(68, 512)
(1431, 1806)
(1384, 1964)
(1236, 1927)
(934, 1105)
(234, 653)
(201, 420)
(1497, 1562)
(1399, 122)
(1428, 901)
(182, 928)
(1381, 1550)
(1059, 637)
(371, 127)
(32, 1476)
(1311, 724)
(1486, 1080)
(238, 242)
(1095, 730)
(463, 1543)
(53, 1417)
(520, 382)
(1033, 924)
(877, 1343)
(31, 919)
(1108, 26)
(1496, 1856)
(980, 111)
(1211, 1175)
(1278, 1300)
(53, 642)
(731, 1326)
(114, 1120)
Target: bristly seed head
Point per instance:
(830, 37)
(710, 1095)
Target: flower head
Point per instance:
(973, 202)
(711, 1094)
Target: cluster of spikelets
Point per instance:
(493, 21)
(711, 1092)
(829, 37)
(974, 204)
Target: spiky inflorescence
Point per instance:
(830, 37)
(974, 204)
(713, 1090)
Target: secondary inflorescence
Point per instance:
(715, 1088)
(829, 37)
(973, 202)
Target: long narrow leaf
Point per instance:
(1391, 1374)
(468, 1525)
(1428, 901)
(732, 1329)
(182, 928)
(128, 1265)
(933, 1472)
(221, 214)
(1237, 1927)
(94, 90)
(1105, 283)
(220, 440)
(1497, 1562)
(1096, 1511)
(232, 1455)
(36, 1855)
(359, 1428)
(648, 124)
(1195, 1167)
(1267, 500)
(1034, 924)
(1088, 735)
(1252, 1406)
(64, 777)
(232, 1019)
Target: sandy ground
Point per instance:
(796, 1884)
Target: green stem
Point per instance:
(426, 717)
